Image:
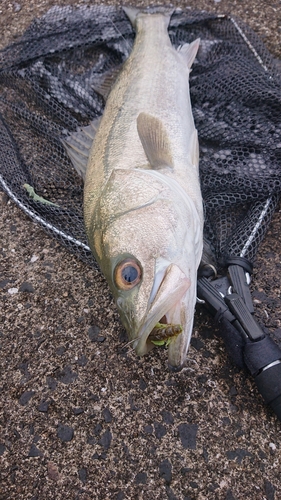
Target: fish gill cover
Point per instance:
(48, 79)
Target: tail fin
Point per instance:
(133, 12)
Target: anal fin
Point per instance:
(78, 145)
(155, 141)
(104, 84)
(194, 149)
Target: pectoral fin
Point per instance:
(155, 141)
(78, 145)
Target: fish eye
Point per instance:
(127, 274)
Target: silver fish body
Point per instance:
(142, 200)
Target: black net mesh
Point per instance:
(47, 81)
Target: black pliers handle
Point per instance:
(228, 299)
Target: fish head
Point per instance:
(148, 247)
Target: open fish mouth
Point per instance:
(172, 335)
(170, 318)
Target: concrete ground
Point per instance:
(81, 416)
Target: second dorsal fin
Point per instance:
(189, 51)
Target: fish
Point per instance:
(143, 209)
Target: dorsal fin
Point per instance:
(78, 145)
(189, 51)
(155, 141)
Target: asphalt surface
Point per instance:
(81, 416)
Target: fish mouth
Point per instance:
(172, 305)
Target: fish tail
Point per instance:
(133, 12)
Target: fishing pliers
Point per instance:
(228, 299)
